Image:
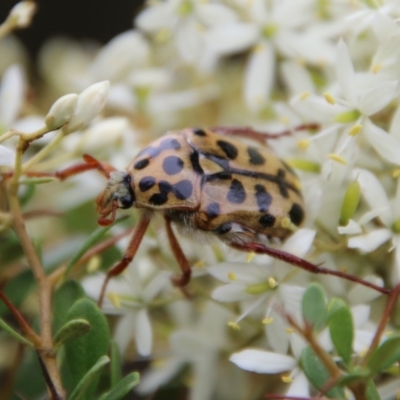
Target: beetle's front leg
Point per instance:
(179, 255)
(259, 136)
(304, 264)
(129, 254)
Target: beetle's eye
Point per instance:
(125, 202)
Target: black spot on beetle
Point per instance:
(236, 193)
(172, 165)
(281, 182)
(213, 210)
(256, 158)
(170, 144)
(223, 228)
(263, 198)
(161, 198)
(267, 220)
(141, 164)
(146, 183)
(296, 214)
(228, 148)
(194, 159)
(158, 199)
(199, 132)
(183, 189)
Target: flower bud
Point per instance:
(350, 202)
(21, 14)
(61, 111)
(90, 103)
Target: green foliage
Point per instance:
(318, 374)
(314, 306)
(83, 353)
(341, 329)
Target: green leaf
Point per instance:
(314, 306)
(92, 375)
(116, 363)
(63, 299)
(92, 240)
(372, 393)
(123, 387)
(355, 376)
(81, 354)
(341, 329)
(17, 289)
(15, 334)
(385, 355)
(71, 330)
(317, 373)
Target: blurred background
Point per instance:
(75, 18)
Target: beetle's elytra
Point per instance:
(206, 181)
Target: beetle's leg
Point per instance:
(184, 279)
(260, 136)
(129, 254)
(304, 264)
(90, 163)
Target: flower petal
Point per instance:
(259, 76)
(386, 145)
(370, 241)
(345, 73)
(263, 362)
(373, 193)
(232, 38)
(143, 333)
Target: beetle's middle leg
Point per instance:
(129, 254)
(183, 262)
(259, 136)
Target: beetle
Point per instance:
(208, 180)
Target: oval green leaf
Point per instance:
(123, 387)
(341, 329)
(385, 355)
(314, 306)
(82, 354)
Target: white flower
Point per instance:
(12, 95)
(388, 213)
(185, 21)
(279, 27)
(130, 297)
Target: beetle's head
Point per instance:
(117, 194)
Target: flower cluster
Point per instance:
(272, 65)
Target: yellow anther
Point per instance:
(93, 264)
(163, 35)
(329, 98)
(114, 298)
(376, 68)
(272, 282)
(355, 130)
(303, 144)
(289, 330)
(284, 120)
(337, 158)
(287, 379)
(396, 173)
(286, 222)
(250, 256)
(232, 276)
(305, 95)
(258, 48)
(267, 321)
(234, 325)
(199, 264)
